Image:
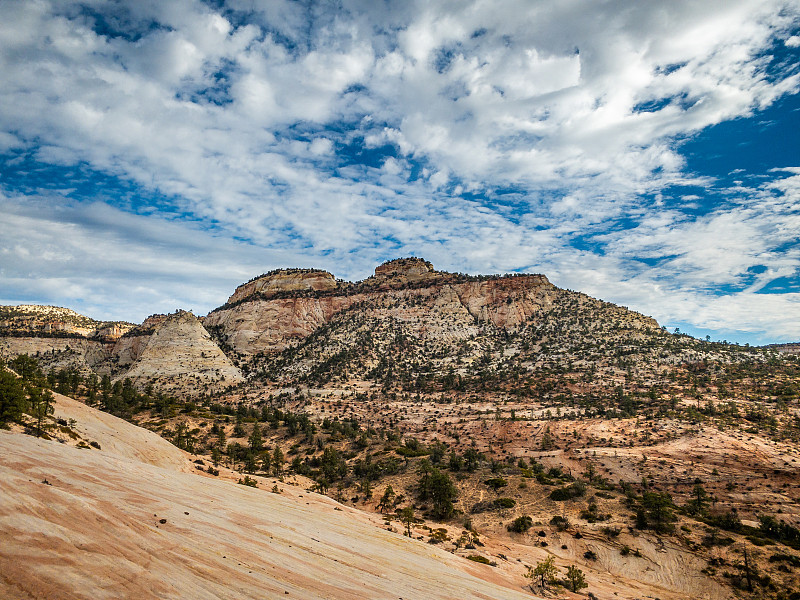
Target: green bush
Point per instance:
(496, 483)
(481, 559)
(520, 524)
(574, 490)
(505, 503)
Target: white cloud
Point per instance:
(575, 106)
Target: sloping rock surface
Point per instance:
(181, 355)
(96, 531)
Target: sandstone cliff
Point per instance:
(406, 289)
(285, 280)
(181, 357)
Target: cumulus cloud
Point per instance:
(484, 136)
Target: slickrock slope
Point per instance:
(119, 437)
(180, 355)
(107, 525)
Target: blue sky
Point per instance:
(154, 155)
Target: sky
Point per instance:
(154, 155)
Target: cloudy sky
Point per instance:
(154, 155)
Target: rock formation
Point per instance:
(285, 280)
(54, 321)
(180, 356)
(256, 323)
(435, 313)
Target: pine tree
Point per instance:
(255, 440)
(12, 398)
(386, 499)
(576, 578)
(407, 517)
(277, 461)
(442, 492)
(41, 403)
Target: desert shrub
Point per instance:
(505, 503)
(496, 483)
(574, 490)
(481, 559)
(480, 507)
(248, 481)
(521, 524)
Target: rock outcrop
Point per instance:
(130, 346)
(408, 289)
(402, 272)
(181, 357)
(285, 280)
(54, 321)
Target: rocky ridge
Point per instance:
(53, 321)
(403, 289)
(304, 323)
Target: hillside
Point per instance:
(552, 424)
(87, 523)
(54, 321)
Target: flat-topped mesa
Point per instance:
(54, 321)
(285, 280)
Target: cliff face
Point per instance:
(404, 289)
(181, 357)
(285, 280)
(129, 347)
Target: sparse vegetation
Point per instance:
(583, 409)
